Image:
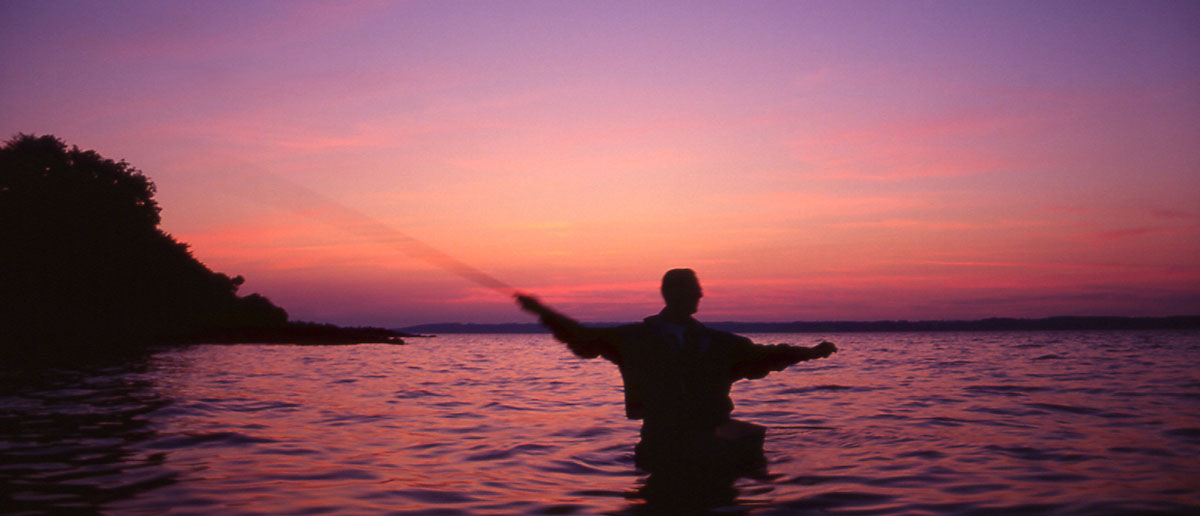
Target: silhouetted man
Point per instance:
(677, 375)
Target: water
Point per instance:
(921, 423)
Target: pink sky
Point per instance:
(812, 161)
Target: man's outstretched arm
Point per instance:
(583, 341)
(760, 360)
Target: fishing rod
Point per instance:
(351, 220)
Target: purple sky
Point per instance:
(812, 160)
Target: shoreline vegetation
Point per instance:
(1076, 323)
(86, 268)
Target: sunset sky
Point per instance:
(811, 160)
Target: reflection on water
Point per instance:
(72, 438)
(971, 423)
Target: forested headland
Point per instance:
(83, 262)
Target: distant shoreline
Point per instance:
(297, 332)
(1180, 322)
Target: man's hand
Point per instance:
(530, 304)
(824, 349)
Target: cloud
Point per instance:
(1173, 214)
(191, 32)
(1139, 231)
(913, 148)
(896, 223)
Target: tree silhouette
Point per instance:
(82, 257)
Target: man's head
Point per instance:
(681, 291)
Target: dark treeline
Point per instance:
(1186, 322)
(83, 260)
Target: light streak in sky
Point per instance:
(295, 197)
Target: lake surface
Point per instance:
(908, 423)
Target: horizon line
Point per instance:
(1061, 322)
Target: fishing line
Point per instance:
(300, 199)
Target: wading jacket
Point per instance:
(676, 376)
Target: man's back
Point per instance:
(678, 376)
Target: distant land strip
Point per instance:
(1179, 322)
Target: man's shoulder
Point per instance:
(644, 327)
(725, 337)
(647, 329)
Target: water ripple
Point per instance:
(1003, 423)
